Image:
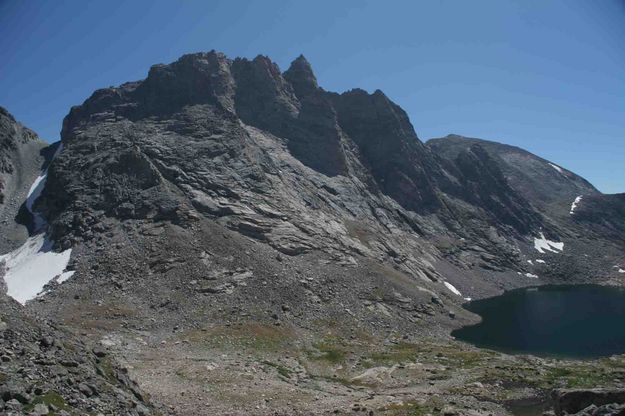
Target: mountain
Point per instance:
(223, 218)
(547, 186)
(568, 203)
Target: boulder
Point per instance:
(572, 401)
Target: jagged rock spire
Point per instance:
(301, 76)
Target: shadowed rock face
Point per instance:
(587, 402)
(603, 213)
(540, 182)
(484, 185)
(301, 77)
(21, 160)
(13, 136)
(303, 116)
(390, 149)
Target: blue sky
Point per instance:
(547, 76)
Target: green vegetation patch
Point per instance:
(425, 352)
(577, 377)
(332, 352)
(250, 335)
(396, 354)
(106, 370)
(282, 370)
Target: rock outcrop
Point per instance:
(21, 160)
(593, 402)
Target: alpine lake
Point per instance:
(569, 321)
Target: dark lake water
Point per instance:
(580, 321)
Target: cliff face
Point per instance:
(358, 137)
(21, 160)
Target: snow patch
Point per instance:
(452, 288)
(541, 244)
(540, 261)
(530, 262)
(531, 275)
(33, 194)
(621, 271)
(29, 268)
(33, 265)
(556, 167)
(574, 204)
(35, 191)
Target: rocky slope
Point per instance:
(604, 214)
(547, 186)
(21, 160)
(572, 209)
(222, 214)
(46, 370)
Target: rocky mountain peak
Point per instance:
(4, 112)
(301, 77)
(200, 78)
(263, 97)
(358, 136)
